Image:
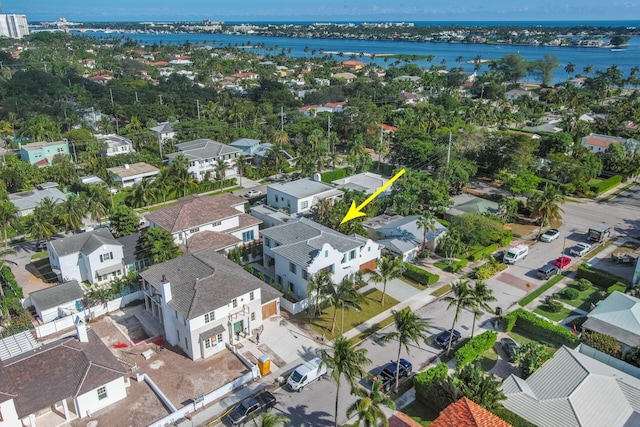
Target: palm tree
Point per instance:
(111, 181)
(345, 293)
(347, 361)
(221, 169)
(389, 268)
(546, 206)
(409, 329)
(164, 182)
(8, 218)
(481, 296)
(270, 420)
(461, 299)
(427, 223)
(317, 285)
(72, 212)
(368, 406)
(184, 181)
(241, 164)
(570, 68)
(144, 193)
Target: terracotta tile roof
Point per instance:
(158, 64)
(211, 240)
(400, 419)
(597, 142)
(465, 413)
(388, 128)
(194, 211)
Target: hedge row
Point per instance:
(330, 176)
(542, 289)
(540, 328)
(607, 184)
(427, 384)
(10, 279)
(475, 347)
(478, 255)
(419, 275)
(598, 277)
(620, 287)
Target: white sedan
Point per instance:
(550, 235)
(252, 193)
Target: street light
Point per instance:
(564, 243)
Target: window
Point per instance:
(344, 258)
(292, 268)
(194, 230)
(369, 248)
(207, 343)
(216, 223)
(290, 287)
(267, 242)
(247, 236)
(176, 314)
(305, 275)
(326, 254)
(178, 334)
(106, 257)
(251, 296)
(304, 205)
(184, 321)
(219, 337)
(186, 343)
(234, 302)
(279, 279)
(253, 316)
(210, 317)
(353, 254)
(102, 393)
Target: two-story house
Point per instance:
(203, 155)
(196, 222)
(205, 301)
(95, 256)
(247, 145)
(116, 144)
(130, 174)
(301, 248)
(601, 143)
(164, 130)
(301, 195)
(41, 154)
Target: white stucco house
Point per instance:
(116, 144)
(61, 381)
(57, 301)
(301, 195)
(203, 155)
(219, 221)
(205, 301)
(130, 174)
(164, 130)
(301, 248)
(95, 256)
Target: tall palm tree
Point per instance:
(184, 181)
(481, 296)
(427, 223)
(72, 212)
(241, 164)
(570, 68)
(164, 182)
(461, 299)
(271, 420)
(4, 261)
(112, 183)
(344, 293)
(144, 193)
(368, 406)
(8, 218)
(409, 329)
(546, 206)
(389, 268)
(318, 284)
(221, 168)
(344, 360)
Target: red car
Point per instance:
(562, 262)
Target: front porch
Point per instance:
(59, 414)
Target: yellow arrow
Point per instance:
(354, 212)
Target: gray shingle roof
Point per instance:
(84, 242)
(200, 149)
(54, 296)
(573, 389)
(204, 281)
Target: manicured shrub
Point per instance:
(458, 265)
(632, 356)
(419, 275)
(604, 343)
(475, 347)
(483, 252)
(553, 306)
(428, 383)
(607, 184)
(618, 286)
(540, 328)
(581, 285)
(598, 277)
(330, 176)
(570, 293)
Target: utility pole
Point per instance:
(160, 99)
(329, 133)
(198, 107)
(111, 96)
(282, 118)
(449, 150)
(137, 96)
(160, 145)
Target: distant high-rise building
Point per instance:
(14, 26)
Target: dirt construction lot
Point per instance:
(180, 378)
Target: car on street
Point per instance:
(547, 272)
(389, 370)
(442, 339)
(252, 193)
(41, 246)
(562, 262)
(250, 408)
(550, 235)
(580, 249)
(509, 346)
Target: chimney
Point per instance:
(81, 330)
(166, 290)
(317, 177)
(126, 166)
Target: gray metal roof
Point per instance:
(245, 142)
(84, 242)
(367, 182)
(201, 149)
(204, 281)
(572, 389)
(405, 232)
(30, 199)
(54, 296)
(618, 314)
(301, 188)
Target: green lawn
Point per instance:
(522, 337)
(487, 360)
(443, 264)
(352, 318)
(420, 413)
(441, 290)
(556, 317)
(585, 299)
(39, 255)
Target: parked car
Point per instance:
(442, 339)
(389, 370)
(509, 346)
(516, 252)
(550, 235)
(547, 272)
(252, 193)
(562, 262)
(387, 383)
(307, 373)
(251, 407)
(41, 245)
(580, 249)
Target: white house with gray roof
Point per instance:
(618, 316)
(301, 248)
(95, 256)
(366, 181)
(574, 390)
(204, 301)
(116, 144)
(26, 201)
(203, 155)
(301, 195)
(57, 301)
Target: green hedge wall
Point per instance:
(427, 385)
(478, 255)
(10, 279)
(607, 184)
(419, 275)
(540, 328)
(475, 347)
(620, 287)
(330, 176)
(598, 277)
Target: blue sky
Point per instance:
(325, 10)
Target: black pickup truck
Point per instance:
(250, 408)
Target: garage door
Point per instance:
(269, 309)
(371, 265)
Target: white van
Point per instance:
(516, 252)
(307, 373)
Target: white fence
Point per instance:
(609, 360)
(294, 307)
(67, 322)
